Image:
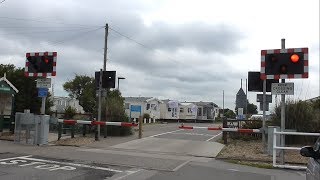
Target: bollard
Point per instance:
(96, 135)
(104, 131)
(224, 133)
(59, 130)
(84, 129)
(140, 127)
(72, 131)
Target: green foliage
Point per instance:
(27, 98)
(115, 112)
(146, 115)
(69, 112)
(252, 109)
(229, 114)
(83, 88)
(300, 115)
(252, 124)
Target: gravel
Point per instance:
(253, 151)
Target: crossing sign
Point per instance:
(42, 92)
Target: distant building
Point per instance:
(148, 105)
(241, 99)
(61, 103)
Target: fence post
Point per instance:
(105, 131)
(84, 129)
(72, 131)
(96, 134)
(140, 127)
(224, 133)
(59, 130)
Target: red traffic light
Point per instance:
(294, 58)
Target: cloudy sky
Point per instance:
(187, 50)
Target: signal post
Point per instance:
(283, 64)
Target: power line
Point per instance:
(34, 20)
(142, 45)
(37, 32)
(75, 36)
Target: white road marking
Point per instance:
(181, 165)
(71, 164)
(214, 137)
(14, 158)
(128, 174)
(194, 134)
(235, 170)
(165, 133)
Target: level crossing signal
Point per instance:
(287, 63)
(41, 64)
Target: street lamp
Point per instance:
(118, 81)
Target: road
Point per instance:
(165, 152)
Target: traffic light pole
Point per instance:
(43, 106)
(99, 104)
(283, 108)
(264, 116)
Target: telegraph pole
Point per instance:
(100, 87)
(283, 117)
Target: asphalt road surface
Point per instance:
(165, 153)
(13, 166)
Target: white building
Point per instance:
(169, 109)
(187, 111)
(61, 103)
(136, 106)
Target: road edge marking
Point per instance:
(214, 137)
(181, 165)
(164, 133)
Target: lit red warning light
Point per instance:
(294, 58)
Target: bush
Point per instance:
(301, 116)
(256, 124)
(146, 115)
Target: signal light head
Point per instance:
(294, 58)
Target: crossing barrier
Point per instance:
(222, 129)
(84, 123)
(102, 123)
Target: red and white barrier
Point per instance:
(102, 123)
(222, 129)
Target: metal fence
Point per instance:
(276, 147)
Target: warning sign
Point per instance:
(282, 88)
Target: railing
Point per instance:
(275, 148)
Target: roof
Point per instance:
(137, 99)
(206, 104)
(241, 92)
(9, 83)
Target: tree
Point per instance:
(27, 98)
(252, 108)
(82, 87)
(229, 114)
(115, 111)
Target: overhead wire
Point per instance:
(140, 44)
(75, 36)
(42, 21)
(37, 32)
